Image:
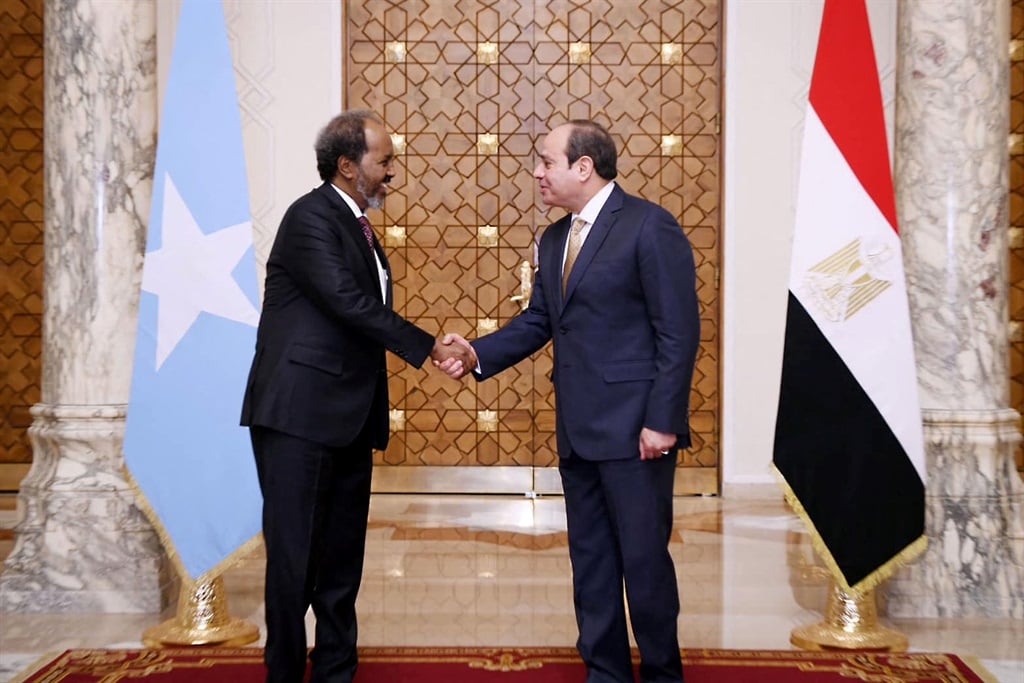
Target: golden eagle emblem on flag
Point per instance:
(848, 280)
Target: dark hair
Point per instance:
(344, 136)
(589, 139)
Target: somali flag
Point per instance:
(184, 451)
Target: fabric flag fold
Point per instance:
(848, 438)
(184, 452)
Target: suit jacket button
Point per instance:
(563, 329)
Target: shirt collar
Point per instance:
(593, 208)
(348, 200)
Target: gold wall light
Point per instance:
(487, 52)
(394, 236)
(486, 326)
(395, 52)
(1016, 50)
(1014, 331)
(1015, 143)
(396, 418)
(487, 236)
(579, 52)
(671, 145)
(487, 420)
(1016, 238)
(487, 143)
(671, 53)
(398, 142)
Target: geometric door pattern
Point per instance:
(1016, 204)
(21, 230)
(468, 89)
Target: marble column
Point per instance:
(952, 123)
(82, 544)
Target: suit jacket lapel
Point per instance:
(598, 232)
(552, 262)
(349, 224)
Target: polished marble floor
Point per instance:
(494, 570)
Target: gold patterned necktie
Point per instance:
(575, 242)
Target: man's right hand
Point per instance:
(454, 356)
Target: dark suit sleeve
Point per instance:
(525, 334)
(314, 253)
(668, 277)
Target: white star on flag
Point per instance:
(191, 273)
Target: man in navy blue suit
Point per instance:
(615, 293)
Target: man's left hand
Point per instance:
(655, 445)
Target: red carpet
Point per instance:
(501, 665)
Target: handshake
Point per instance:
(454, 356)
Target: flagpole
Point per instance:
(851, 623)
(202, 618)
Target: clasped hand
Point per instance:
(454, 356)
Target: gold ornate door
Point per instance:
(468, 89)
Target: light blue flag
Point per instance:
(184, 450)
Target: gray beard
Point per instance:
(373, 202)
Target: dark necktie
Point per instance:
(367, 231)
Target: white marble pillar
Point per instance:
(82, 544)
(952, 123)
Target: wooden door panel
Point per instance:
(470, 97)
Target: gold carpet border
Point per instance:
(868, 667)
(504, 659)
(872, 580)
(224, 565)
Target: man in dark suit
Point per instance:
(317, 399)
(615, 292)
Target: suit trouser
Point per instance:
(315, 504)
(619, 516)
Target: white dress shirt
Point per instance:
(589, 214)
(381, 273)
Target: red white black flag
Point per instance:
(848, 439)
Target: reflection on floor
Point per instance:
(494, 570)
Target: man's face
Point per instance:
(376, 168)
(557, 180)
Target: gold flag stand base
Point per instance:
(851, 623)
(202, 619)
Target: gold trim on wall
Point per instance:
(395, 52)
(398, 142)
(486, 326)
(487, 144)
(487, 236)
(487, 52)
(671, 53)
(487, 420)
(394, 236)
(579, 53)
(671, 145)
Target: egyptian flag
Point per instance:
(848, 439)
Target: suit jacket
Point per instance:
(625, 334)
(319, 372)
